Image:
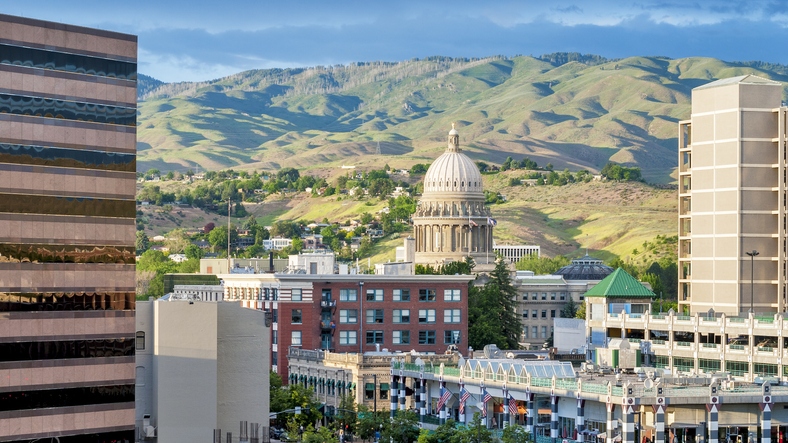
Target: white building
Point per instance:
(201, 366)
(311, 263)
(513, 253)
(277, 244)
(200, 292)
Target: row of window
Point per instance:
(44, 204)
(543, 295)
(46, 253)
(535, 313)
(267, 294)
(450, 337)
(68, 110)
(69, 158)
(56, 350)
(376, 295)
(350, 316)
(68, 301)
(59, 61)
(535, 332)
(58, 398)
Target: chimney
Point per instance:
(410, 250)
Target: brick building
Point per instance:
(357, 313)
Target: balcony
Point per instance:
(327, 326)
(328, 304)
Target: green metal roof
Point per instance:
(620, 284)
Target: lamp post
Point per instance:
(752, 277)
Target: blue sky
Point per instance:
(202, 40)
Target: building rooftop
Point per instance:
(620, 284)
(586, 268)
(748, 79)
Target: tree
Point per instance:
(474, 432)
(208, 228)
(142, 243)
(403, 428)
(542, 265)
(177, 241)
(581, 312)
(347, 414)
(569, 310)
(515, 434)
(369, 422)
(190, 173)
(193, 252)
(444, 434)
(218, 238)
(288, 174)
(492, 318)
(170, 175)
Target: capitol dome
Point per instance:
(451, 221)
(453, 172)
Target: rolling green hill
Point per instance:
(575, 112)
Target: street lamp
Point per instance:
(752, 277)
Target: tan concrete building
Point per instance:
(68, 99)
(200, 366)
(732, 199)
(451, 221)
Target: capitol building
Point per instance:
(452, 221)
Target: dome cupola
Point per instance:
(453, 172)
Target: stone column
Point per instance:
(402, 392)
(766, 422)
(530, 410)
(505, 407)
(442, 411)
(659, 423)
(609, 432)
(393, 395)
(581, 423)
(628, 419)
(714, 410)
(554, 418)
(422, 400)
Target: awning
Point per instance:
(322, 381)
(351, 386)
(384, 386)
(340, 384)
(369, 387)
(333, 383)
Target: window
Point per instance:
(296, 295)
(274, 294)
(534, 296)
(140, 343)
(402, 295)
(525, 313)
(374, 316)
(426, 337)
(451, 315)
(563, 296)
(544, 295)
(401, 337)
(544, 331)
(348, 337)
(295, 338)
(451, 337)
(369, 392)
(273, 358)
(534, 331)
(534, 314)
(348, 295)
(552, 296)
(426, 295)
(525, 297)
(544, 313)
(374, 295)
(326, 295)
(402, 316)
(525, 332)
(451, 295)
(348, 315)
(274, 337)
(374, 337)
(295, 316)
(552, 313)
(426, 316)
(275, 315)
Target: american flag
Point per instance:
(473, 223)
(445, 396)
(486, 397)
(512, 406)
(464, 396)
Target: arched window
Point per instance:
(140, 341)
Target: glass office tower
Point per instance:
(67, 184)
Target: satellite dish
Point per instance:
(649, 383)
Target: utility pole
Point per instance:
(229, 206)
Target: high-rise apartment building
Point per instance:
(732, 198)
(67, 177)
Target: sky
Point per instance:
(202, 40)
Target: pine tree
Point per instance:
(569, 310)
(492, 317)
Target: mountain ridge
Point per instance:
(575, 111)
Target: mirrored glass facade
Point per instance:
(67, 172)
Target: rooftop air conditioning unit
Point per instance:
(150, 431)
